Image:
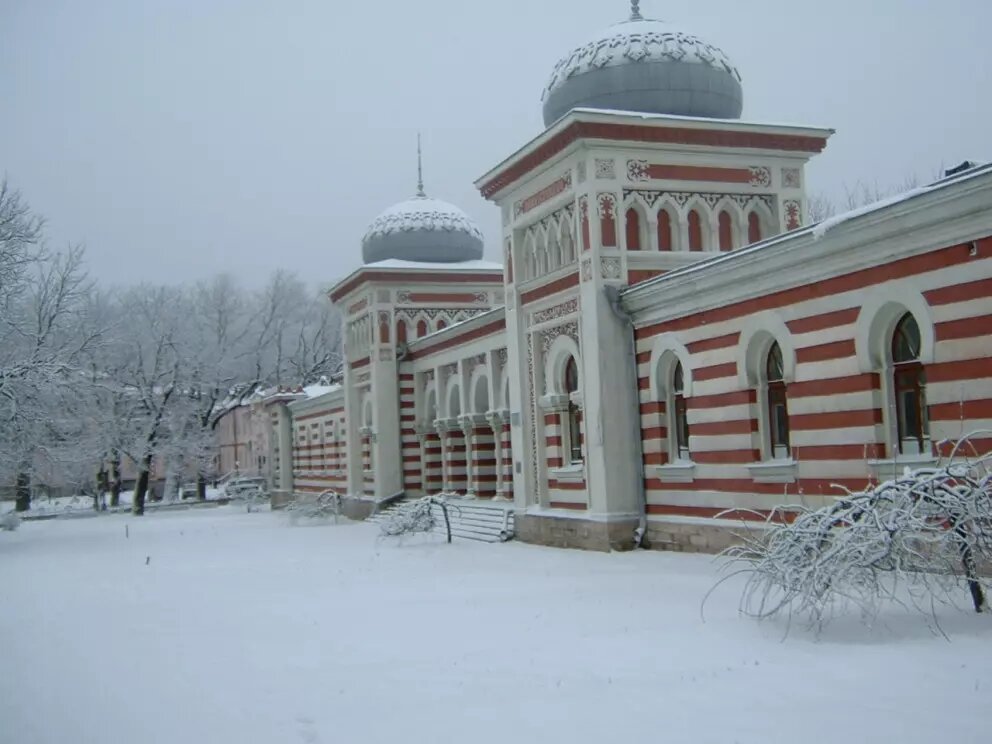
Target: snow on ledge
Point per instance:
(399, 263)
(820, 229)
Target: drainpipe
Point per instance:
(613, 297)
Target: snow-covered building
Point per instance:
(664, 348)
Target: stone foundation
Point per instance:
(693, 537)
(568, 532)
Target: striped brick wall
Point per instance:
(562, 494)
(838, 416)
(410, 441)
(483, 455)
(319, 454)
(506, 460)
(455, 472)
(432, 464)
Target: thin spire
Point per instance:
(420, 170)
(635, 10)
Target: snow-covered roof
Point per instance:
(399, 263)
(648, 116)
(637, 41)
(315, 391)
(421, 213)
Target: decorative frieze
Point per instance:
(557, 311)
(559, 186)
(792, 178)
(652, 199)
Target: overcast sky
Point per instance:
(180, 138)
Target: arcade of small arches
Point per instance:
(652, 221)
(659, 221)
(463, 443)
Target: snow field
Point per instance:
(221, 626)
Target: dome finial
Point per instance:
(635, 10)
(420, 170)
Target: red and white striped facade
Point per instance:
(634, 246)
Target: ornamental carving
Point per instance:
(606, 169)
(557, 311)
(792, 178)
(501, 357)
(607, 206)
(548, 336)
(793, 214)
(637, 170)
(760, 176)
(610, 267)
(385, 355)
(587, 270)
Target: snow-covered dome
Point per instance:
(422, 229)
(646, 66)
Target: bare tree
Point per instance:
(918, 538)
(44, 333)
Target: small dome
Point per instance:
(422, 229)
(646, 66)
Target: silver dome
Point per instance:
(422, 229)
(646, 66)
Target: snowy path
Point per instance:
(242, 629)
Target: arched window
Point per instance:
(695, 231)
(680, 422)
(400, 331)
(441, 325)
(778, 414)
(909, 384)
(633, 230)
(574, 432)
(726, 231)
(664, 231)
(753, 227)
(421, 328)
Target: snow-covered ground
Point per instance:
(220, 626)
(42, 506)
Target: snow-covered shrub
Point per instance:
(921, 538)
(9, 521)
(326, 505)
(417, 516)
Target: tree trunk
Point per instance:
(115, 480)
(971, 570)
(22, 492)
(102, 486)
(141, 487)
(201, 487)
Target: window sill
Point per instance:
(575, 473)
(894, 468)
(680, 471)
(773, 471)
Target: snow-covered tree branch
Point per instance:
(922, 537)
